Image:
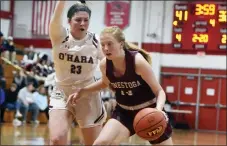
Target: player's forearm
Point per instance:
(97, 86)
(56, 29)
(58, 13)
(161, 99)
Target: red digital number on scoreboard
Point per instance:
(199, 26)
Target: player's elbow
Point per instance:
(161, 93)
(52, 27)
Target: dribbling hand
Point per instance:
(73, 98)
(165, 115)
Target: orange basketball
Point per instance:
(149, 124)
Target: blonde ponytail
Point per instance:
(133, 47)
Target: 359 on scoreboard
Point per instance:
(199, 26)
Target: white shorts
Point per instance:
(88, 112)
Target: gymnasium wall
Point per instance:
(5, 5)
(146, 18)
(5, 23)
(151, 27)
(5, 26)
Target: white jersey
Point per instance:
(75, 61)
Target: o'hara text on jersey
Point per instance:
(132, 84)
(75, 58)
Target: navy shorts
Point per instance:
(126, 117)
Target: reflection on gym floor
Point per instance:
(38, 135)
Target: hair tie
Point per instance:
(83, 1)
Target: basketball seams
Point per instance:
(143, 118)
(150, 126)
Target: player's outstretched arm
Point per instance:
(56, 30)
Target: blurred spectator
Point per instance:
(19, 79)
(9, 51)
(30, 57)
(11, 102)
(2, 79)
(43, 66)
(40, 98)
(2, 99)
(50, 67)
(1, 37)
(49, 83)
(26, 101)
(43, 56)
(106, 94)
(1, 40)
(31, 78)
(2, 43)
(110, 106)
(109, 101)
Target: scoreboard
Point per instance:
(199, 26)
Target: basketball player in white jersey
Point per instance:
(76, 54)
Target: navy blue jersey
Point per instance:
(130, 88)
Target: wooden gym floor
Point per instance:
(38, 135)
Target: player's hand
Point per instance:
(73, 98)
(165, 114)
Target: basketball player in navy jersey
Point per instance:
(128, 72)
(75, 54)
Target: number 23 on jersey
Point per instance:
(76, 69)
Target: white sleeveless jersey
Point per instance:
(75, 61)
